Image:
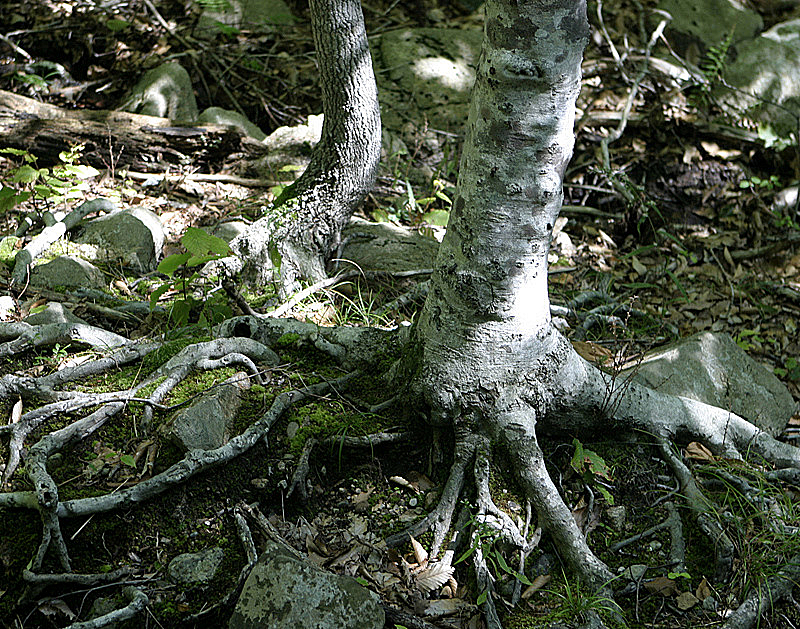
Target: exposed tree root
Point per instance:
(765, 596)
(438, 521)
(138, 601)
(26, 336)
(45, 499)
(300, 476)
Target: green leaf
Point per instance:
(18, 152)
(503, 565)
(156, 294)
(127, 459)
(201, 260)
(199, 242)
(436, 217)
(115, 25)
(172, 263)
(180, 312)
(26, 174)
(482, 598)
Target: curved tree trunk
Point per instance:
(488, 360)
(299, 232)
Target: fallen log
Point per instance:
(115, 138)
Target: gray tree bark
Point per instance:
(487, 359)
(299, 232)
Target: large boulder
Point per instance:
(165, 91)
(387, 247)
(195, 568)
(708, 23)
(253, 15)
(284, 592)
(710, 367)
(134, 235)
(430, 71)
(217, 115)
(67, 272)
(767, 68)
(205, 424)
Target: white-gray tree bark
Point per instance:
(486, 357)
(297, 235)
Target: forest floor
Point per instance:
(685, 231)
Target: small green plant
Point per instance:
(790, 369)
(485, 538)
(180, 269)
(576, 603)
(757, 183)
(713, 65)
(747, 339)
(590, 466)
(53, 186)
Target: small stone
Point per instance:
(616, 517)
(710, 604)
(190, 568)
(291, 429)
(413, 502)
(635, 572)
(653, 546)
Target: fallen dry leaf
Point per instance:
(686, 600)
(663, 586)
(698, 452)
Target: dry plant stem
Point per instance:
(438, 521)
(138, 601)
(193, 463)
(30, 336)
(765, 596)
(699, 504)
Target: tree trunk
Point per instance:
(488, 360)
(303, 227)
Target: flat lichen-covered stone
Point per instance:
(710, 367)
(284, 592)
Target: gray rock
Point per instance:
(205, 424)
(135, 235)
(258, 15)
(289, 149)
(710, 367)
(69, 272)
(165, 91)
(433, 68)
(707, 23)
(7, 307)
(195, 568)
(768, 67)
(217, 115)
(387, 247)
(53, 312)
(284, 592)
(229, 230)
